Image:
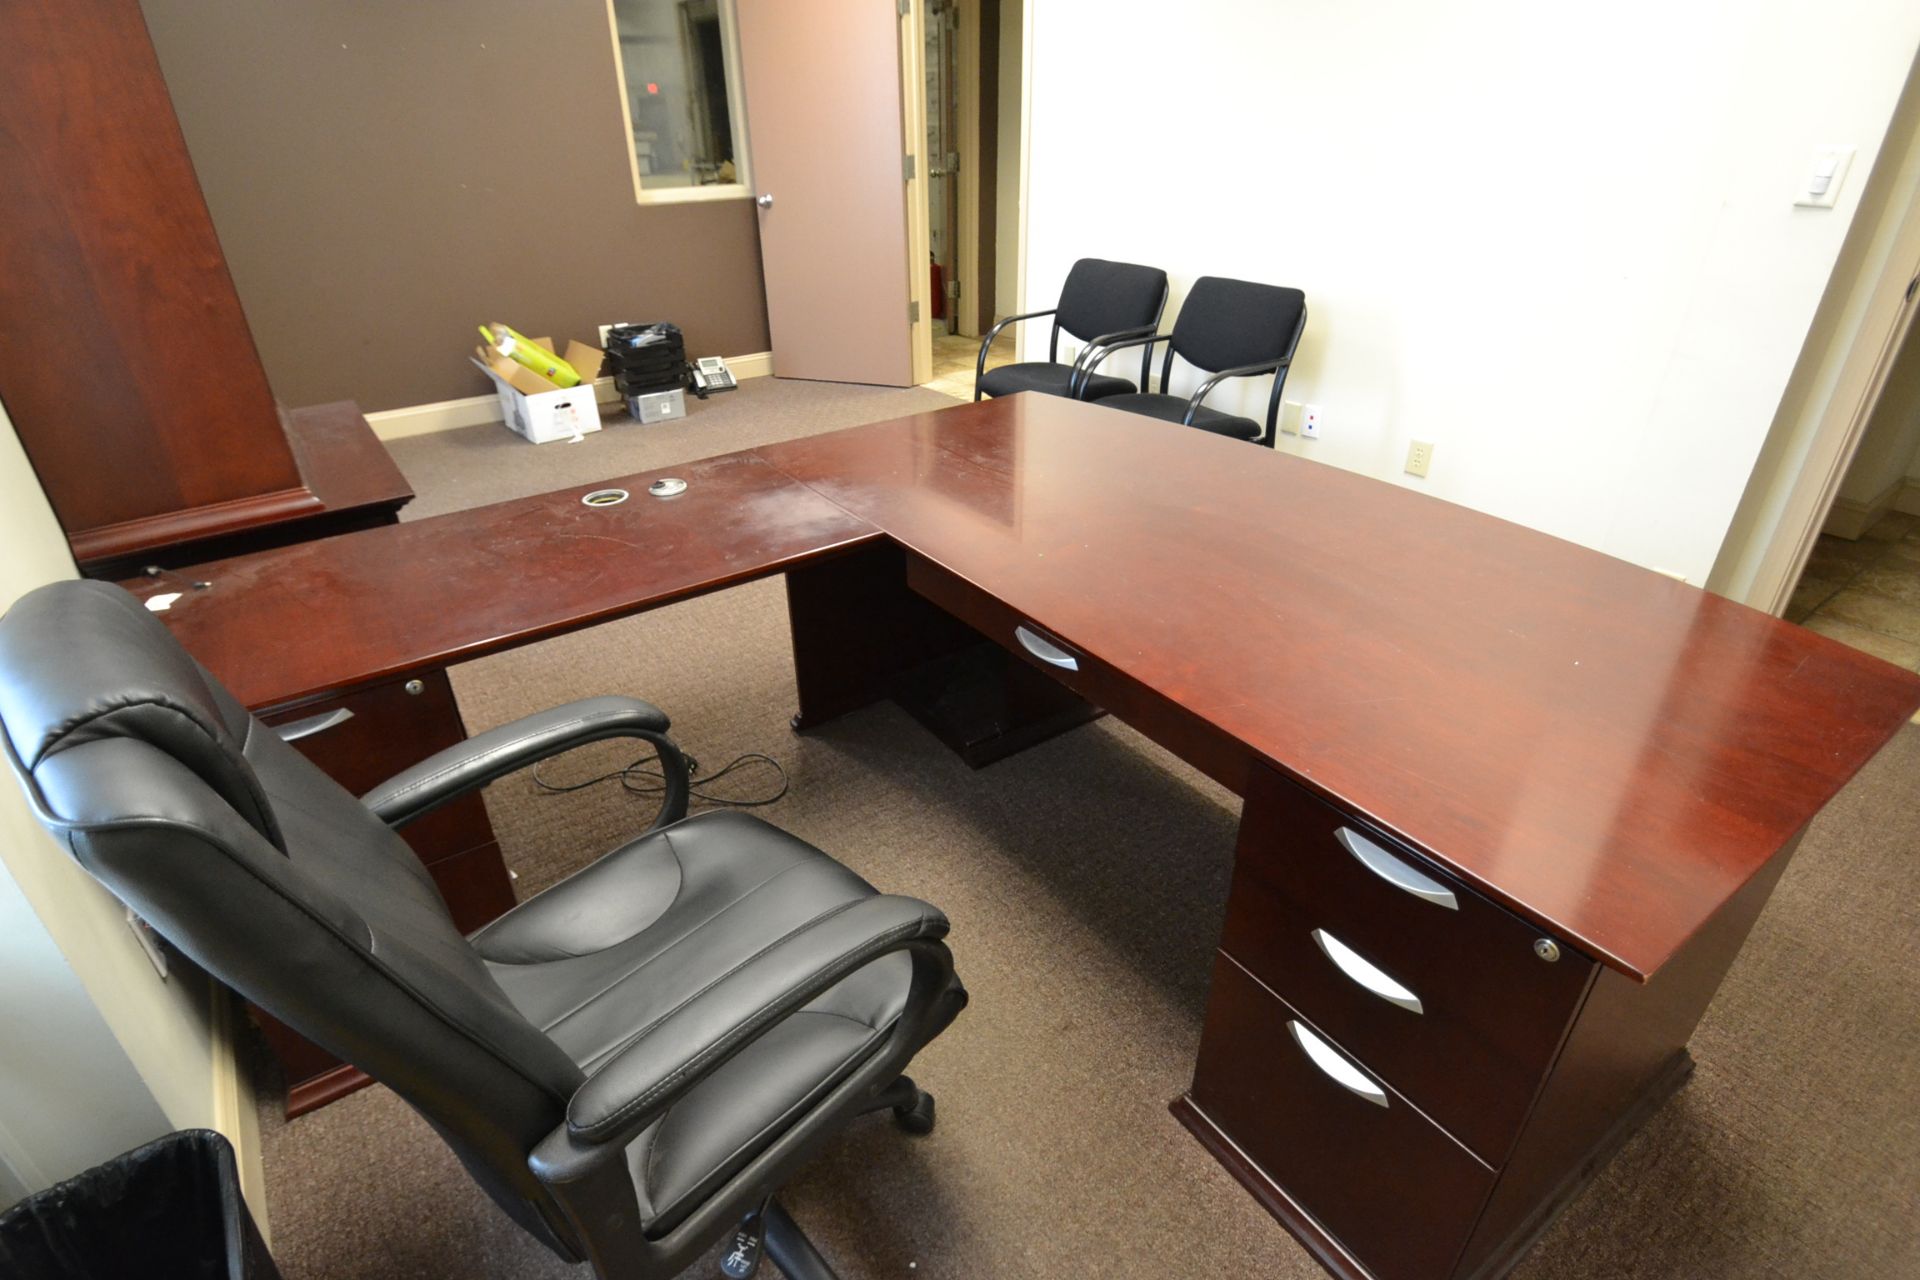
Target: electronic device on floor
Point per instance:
(710, 374)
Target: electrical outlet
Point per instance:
(1310, 421)
(1290, 418)
(1419, 457)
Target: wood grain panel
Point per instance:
(1396, 1191)
(1493, 1013)
(125, 360)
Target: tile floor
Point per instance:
(954, 359)
(1866, 593)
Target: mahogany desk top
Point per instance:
(1608, 752)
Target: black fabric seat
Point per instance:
(1226, 329)
(1174, 409)
(627, 1063)
(1050, 379)
(1099, 302)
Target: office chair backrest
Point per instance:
(1102, 297)
(1229, 324)
(270, 875)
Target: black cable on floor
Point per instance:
(644, 778)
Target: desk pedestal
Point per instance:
(1404, 1144)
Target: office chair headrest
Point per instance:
(82, 662)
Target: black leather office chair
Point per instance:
(1100, 302)
(1226, 329)
(629, 1063)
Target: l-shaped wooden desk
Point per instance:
(1511, 806)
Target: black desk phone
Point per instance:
(710, 374)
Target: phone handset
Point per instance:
(710, 374)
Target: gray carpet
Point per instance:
(1085, 880)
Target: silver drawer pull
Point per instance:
(1365, 972)
(1394, 871)
(1335, 1066)
(295, 730)
(1045, 651)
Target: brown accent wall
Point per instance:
(383, 177)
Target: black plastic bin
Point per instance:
(170, 1210)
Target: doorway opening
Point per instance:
(971, 58)
(1861, 581)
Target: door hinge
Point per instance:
(913, 312)
(907, 166)
(906, 7)
(953, 162)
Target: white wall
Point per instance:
(98, 1053)
(1558, 242)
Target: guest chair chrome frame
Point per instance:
(1083, 365)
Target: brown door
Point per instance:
(822, 83)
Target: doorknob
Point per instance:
(765, 202)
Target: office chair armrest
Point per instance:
(1244, 371)
(447, 775)
(679, 1050)
(1100, 348)
(980, 367)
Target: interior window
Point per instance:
(680, 81)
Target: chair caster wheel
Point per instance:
(916, 1118)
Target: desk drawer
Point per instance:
(1452, 1005)
(383, 730)
(1394, 1189)
(1160, 718)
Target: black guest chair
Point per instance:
(1226, 329)
(629, 1063)
(1101, 302)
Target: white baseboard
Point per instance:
(1907, 501)
(478, 411)
(234, 1111)
(1850, 518)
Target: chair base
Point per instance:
(781, 1237)
(790, 1249)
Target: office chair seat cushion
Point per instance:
(1174, 408)
(1049, 379)
(602, 956)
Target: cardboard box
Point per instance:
(532, 406)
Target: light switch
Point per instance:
(1825, 172)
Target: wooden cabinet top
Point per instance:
(1608, 752)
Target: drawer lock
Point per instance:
(1547, 949)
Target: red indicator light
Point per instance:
(652, 88)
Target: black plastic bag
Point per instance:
(170, 1210)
